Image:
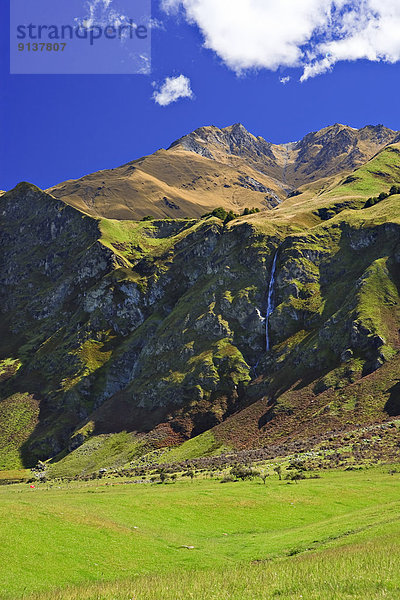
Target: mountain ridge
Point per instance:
(227, 167)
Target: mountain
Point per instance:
(227, 167)
(157, 328)
(335, 149)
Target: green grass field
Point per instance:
(331, 538)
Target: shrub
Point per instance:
(295, 476)
(163, 475)
(250, 211)
(370, 202)
(395, 189)
(227, 479)
(230, 216)
(242, 472)
(297, 464)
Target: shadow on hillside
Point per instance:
(392, 406)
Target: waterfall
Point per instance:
(270, 302)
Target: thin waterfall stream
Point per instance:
(271, 301)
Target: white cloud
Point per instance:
(143, 62)
(172, 89)
(311, 34)
(284, 80)
(155, 24)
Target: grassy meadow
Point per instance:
(336, 537)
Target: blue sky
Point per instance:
(57, 127)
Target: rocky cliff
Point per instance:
(158, 327)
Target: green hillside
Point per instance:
(239, 539)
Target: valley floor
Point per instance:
(332, 538)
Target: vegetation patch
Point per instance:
(8, 368)
(109, 451)
(205, 444)
(18, 417)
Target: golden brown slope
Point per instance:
(173, 184)
(228, 167)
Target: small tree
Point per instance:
(395, 189)
(242, 472)
(230, 216)
(297, 464)
(264, 476)
(163, 476)
(220, 213)
(371, 202)
(295, 476)
(278, 471)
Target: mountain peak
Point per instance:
(24, 187)
(209, 134)
(237, 127)
(224, 144)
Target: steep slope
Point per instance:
(226, 167)
(158, 327)
(337, 193)
(334, 150)
(171, 183)
(76, 315)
